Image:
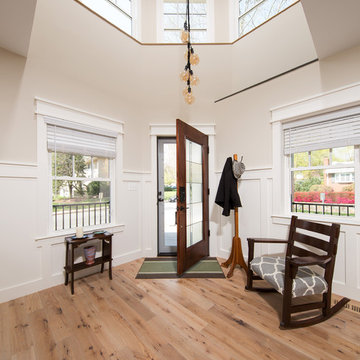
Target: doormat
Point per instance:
(166, 268)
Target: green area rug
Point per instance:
(165, 268)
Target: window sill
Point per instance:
(285, 219)
(62, 233)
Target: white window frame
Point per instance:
(209, 17)
(92, 5)
(356, 165)
(110, 179)
(45, 108)
(344, 97)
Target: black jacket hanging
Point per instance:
(227, 195)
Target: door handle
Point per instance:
(182, 194)
(160, 199)
(182, 208)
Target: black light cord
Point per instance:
(188, 45)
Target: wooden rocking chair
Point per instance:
(294, 276)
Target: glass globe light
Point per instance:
(195, 80)
(186, 91)
(189, 98)
(194, 59)
(184, 36)
(184, 75)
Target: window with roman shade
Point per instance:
(323, 157)
(82, 173)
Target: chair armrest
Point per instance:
(310, 260)
(267, 240)
(252, 241)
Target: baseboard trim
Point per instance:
(32, 286)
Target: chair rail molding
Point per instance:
(10, 170)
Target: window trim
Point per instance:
(45, 108)
(323, 103)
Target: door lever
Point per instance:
(181, 208)
(160, 199)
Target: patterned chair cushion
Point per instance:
(272, 269)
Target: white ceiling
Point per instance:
(16, 20)
(334, 24)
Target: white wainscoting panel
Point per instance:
(19, 258)
(340, 265)
(255, 194)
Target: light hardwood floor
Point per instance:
(164, 319)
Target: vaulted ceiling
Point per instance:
(16, 21)
(333, 24)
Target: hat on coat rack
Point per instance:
(238, 168)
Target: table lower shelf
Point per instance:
(83, 265)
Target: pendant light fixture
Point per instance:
(191, 59)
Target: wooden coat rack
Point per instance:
(236, 256)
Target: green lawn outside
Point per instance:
(74, 202)
(169, 194)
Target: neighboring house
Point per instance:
(339, 178)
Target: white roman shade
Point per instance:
(67, 137)
(335, 129)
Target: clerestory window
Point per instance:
(117, 12)
(174, 17)
(253, 13)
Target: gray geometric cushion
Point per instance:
(272, 269)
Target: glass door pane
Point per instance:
(194, 201)
(167, 230)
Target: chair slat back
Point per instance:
(315, 227)
(315, 240)
(298, 251)
(312, 241)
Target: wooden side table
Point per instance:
(72, 243)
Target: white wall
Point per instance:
(244, 127)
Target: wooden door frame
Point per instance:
(149, 243)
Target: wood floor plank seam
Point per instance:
(171, 319)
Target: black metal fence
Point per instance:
(66, 216)
(325, 209)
